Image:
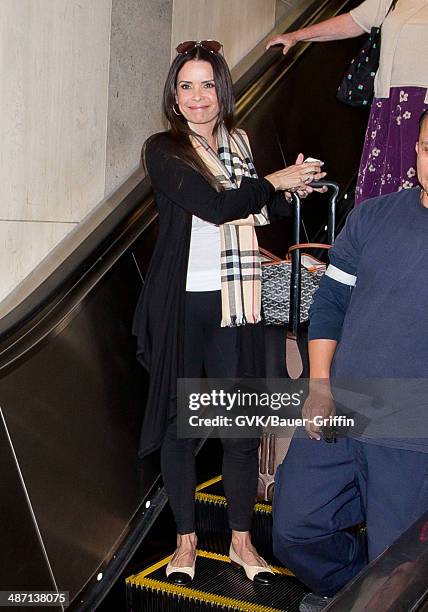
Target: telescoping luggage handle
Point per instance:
(295, 281)
(294, 318)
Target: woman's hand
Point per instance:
(303, 193)
(287, 40)
(297, 177)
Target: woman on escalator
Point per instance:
(199, 310)
(388, 162)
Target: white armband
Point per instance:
(340, 276)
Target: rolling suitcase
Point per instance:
(273, 448)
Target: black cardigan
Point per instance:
(158, 322)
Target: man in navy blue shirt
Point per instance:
(369, 320)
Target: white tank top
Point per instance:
(203, 271)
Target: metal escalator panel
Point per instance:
(73, 411)
(397, 580)
(23, 559)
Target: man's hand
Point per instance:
(319, 403)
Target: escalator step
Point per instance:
(217, 585)
(212, 525)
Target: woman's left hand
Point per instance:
(302, 193)
(308, 189)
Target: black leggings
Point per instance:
(211, 350)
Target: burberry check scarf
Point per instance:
(240, 257)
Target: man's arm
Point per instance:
(321, 354)
(327, 315)
(320, 400)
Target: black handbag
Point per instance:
(357, 87)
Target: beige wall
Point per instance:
(139, 60)
(238, 24)
(23, 245)
(54, 63)
(53, 96)
(80, 91)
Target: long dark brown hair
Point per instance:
(179, 130)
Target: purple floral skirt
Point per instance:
(388, 162)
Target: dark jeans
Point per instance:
(212, 351)
(322, 490)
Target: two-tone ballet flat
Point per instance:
(180, 575)
(261, 574)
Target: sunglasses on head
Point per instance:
(213, 46)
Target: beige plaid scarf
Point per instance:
(240, 257)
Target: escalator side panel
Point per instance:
(24, 565)
(74, 414)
